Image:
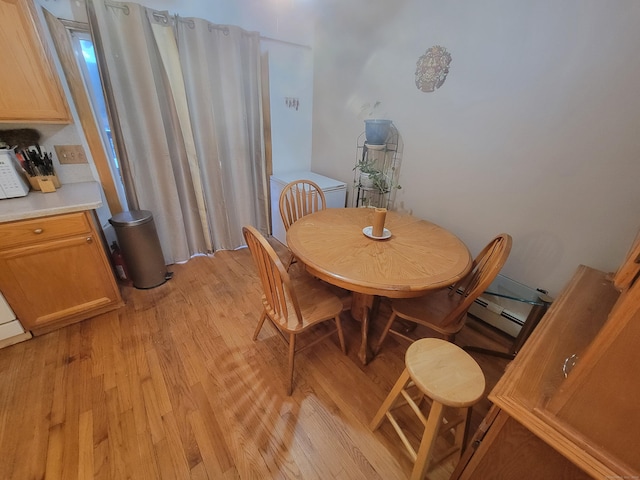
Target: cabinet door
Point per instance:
(511, 451)
(30, 88)
(58, 281)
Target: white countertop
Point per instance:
(70, 197)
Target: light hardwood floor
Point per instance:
(172, 386)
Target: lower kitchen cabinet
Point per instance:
(55, 271)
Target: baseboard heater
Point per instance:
(505, 305)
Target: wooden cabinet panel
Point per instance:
(572, 392)
(55, 282)
(598, 402)
(43, 229)
(30, 90)
(511, 451)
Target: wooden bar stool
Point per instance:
(452, 380)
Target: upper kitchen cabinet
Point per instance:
(30, 90)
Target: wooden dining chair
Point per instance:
(293, 305)
(445, 311)
(299, 198)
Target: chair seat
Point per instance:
(298, 274)
(343, 294)
(432, 309)
(316, 303)
(445, 311)
(444, 372)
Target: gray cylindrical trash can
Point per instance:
(140, 247)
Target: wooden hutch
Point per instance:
(568, 406)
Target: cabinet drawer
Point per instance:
(26, 232)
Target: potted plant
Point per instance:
(374, 178)
(376, 129)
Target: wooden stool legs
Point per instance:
(435, 424)
(437, 370)
(441, 420)
(425, 452)
(387, 405)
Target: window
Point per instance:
(82, 44)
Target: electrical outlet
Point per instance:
(70, 154)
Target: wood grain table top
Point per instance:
(418, 257)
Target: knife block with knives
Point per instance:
(36, 163)
(39, 169)
(44, 183)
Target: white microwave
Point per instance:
(12, 181)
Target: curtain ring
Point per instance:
(212, 27)
(190, 23)
(161, 17)
(119, 6)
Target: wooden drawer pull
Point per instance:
(38, 231)
(89, 239)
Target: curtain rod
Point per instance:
(81, 26)
(270, 39)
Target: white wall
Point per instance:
(290, 76)
(535, 131)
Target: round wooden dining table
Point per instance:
(417, 257)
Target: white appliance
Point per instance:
(11, 330)
(12, 182)
(334, 191)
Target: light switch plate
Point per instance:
(69, 154)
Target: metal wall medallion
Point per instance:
(432, 68)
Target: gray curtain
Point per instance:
(186, 95)
(221, 66)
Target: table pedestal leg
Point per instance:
(362, 309)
